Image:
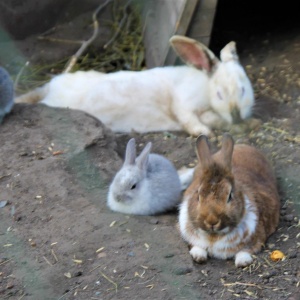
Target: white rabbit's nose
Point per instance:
(236, 115)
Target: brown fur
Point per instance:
(34, 96)
(244, 170)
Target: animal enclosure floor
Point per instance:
(58, 239)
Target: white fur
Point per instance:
(159, 99)
(198, 254)
(219, 249)
(243, 259)
(185, 177)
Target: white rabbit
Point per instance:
(6, 93)
(204, 94)
(145, 185)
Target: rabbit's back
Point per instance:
(164, 183)
(254, 173)
(251, 165)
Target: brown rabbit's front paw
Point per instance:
(243, 259)
(198, 254)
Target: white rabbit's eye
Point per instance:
(219, 95)
(230, 197)
(133, 187)
(243, 91)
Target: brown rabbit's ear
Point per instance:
(203, 151)
(227, 149)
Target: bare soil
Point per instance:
(58, 239)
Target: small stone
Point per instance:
(168, 255)
(293, 254)
(154, 221)
(273, 273)
(23, 154)
(289, 218)
(9, 285)
(182, 270)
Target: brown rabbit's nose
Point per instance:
(212, 224)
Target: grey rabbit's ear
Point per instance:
(130, 154)
(203, 151)
(226, 150)
(194, 53)
(142, 159)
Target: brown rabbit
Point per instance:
(232, 205)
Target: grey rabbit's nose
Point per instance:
(118, 197)
(6, 93)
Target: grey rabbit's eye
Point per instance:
(133, 186)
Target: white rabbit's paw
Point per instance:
(198, 254)
(199, 129)
(243, 259)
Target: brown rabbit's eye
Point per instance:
(133, 187)
(230, 197)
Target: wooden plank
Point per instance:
(202, 22)
(162, 19)
(181, 28)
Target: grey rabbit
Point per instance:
(145, 185)
(6, 93)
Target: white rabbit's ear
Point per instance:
(226, 150)
(142, 159)
(194, 53)
(229, 52)
(203, 151)
(130, 154)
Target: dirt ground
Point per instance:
(58, 239)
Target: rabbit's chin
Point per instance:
(125, 201)
(220, 232)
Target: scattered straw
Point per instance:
(85, 44)
(125, 52)
(111, 281)
(54, 255)
(47, 261)
(6, 261)
(252, 284)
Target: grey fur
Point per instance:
(145, 185)
(6, 93)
